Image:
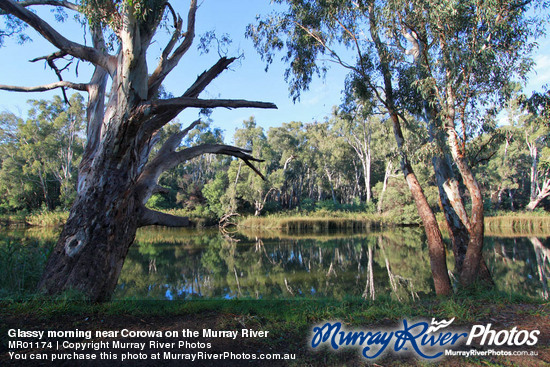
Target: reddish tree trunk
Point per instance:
(436, 246)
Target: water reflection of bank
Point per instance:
(182, 264)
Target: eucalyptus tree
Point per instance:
(352, 34)
(39, 155)
(295, 164)
(253, 188)
(501, 170)
(63, 139)
(538, 143)
(466, 54)
(357, 130)
(116, 176)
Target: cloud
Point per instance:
(540, 75)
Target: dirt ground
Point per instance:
(525, 317)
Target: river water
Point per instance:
(174, 264)
(186, 264)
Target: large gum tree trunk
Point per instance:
(117, 176)
(92, 247)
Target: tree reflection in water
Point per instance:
(184, 264)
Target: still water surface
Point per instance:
(183, 264)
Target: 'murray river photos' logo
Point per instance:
(426, 340)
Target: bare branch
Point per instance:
(168, 63)
(50, 59)
(156, 78)
(174, 14)
(208, 76)
(65, 4)
(90, 54)
(55, 55)
(190, 153)
(167, 159)
(180, 103)
(151, 173)
(42, 88)
(189, 35)
(152, 217)
(198, 86)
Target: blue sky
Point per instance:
(246, 78)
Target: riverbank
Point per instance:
(511, 223)
(289, 323)
(508, 223)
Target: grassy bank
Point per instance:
(317, 221)
(501, 224)
(518, 224)
(468, 306)
(497, 224)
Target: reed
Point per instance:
(47, 219)
(317, 222)
(518, 224)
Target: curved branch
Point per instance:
(174, 141)
(90, 54)
(160, 190)
(152, 217)
(190, 153)
(156, 78)
(167, 158)
(41, 88)
(65, 4)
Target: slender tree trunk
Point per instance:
(367, 170)
(533, 177)
(329, 177)
(542, 255)
(473, 257)
(456, 218)
(436, 247)
(387, 174)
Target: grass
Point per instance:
(47, 219)
(518, 224)
(500, 224)
(289, 321)
(13, 219)
(318, 221)
(467, 307)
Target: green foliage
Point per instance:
(157, 201)
(107, 12)
(39, 156)
(214, 191)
